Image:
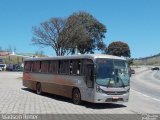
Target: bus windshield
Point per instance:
(112, 72)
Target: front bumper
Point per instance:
(104, 98)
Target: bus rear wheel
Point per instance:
(76, 96)
(38, 89)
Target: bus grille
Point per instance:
(115, 92)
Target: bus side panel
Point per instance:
(87, 94)
(59, 84)
(58, 89)
(55, 84)
(30, 84)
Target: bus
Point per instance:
(95, 78)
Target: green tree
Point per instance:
(80, 30)
(130, 61)
(83, 32)
(118, 49)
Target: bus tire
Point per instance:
(76, 96)
(38, 89)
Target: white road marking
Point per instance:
(146, 95)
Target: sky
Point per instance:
(136, 22)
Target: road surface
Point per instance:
(144, 98)
(145, 91)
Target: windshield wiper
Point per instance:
(123, 85)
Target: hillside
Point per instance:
(151, 60)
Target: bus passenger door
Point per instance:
(89, 82)
(90, 76)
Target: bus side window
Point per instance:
(27, 67)
(31, 66)
(50, 66)
(61, 67)
(79, 67)
(40, 66)
(36, 66)
(53, 67)
(75, 67)
(84, 64)
(67, 67)
(71, 67)
(64, 67)
(44, 66)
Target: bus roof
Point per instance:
(86, 56)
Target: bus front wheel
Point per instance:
(38, 89)
(76, 96)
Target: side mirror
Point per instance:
(129, 72)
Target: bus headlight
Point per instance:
(98, 89)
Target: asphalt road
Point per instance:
(145, 91)
(147, 83)
(144, 98)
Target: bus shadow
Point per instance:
(102, 105)
(29, 90)
(84, 104)
(52, 96)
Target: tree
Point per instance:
(47, 34)
(130, 61)
(83, 32)
(118, 49)
(80, 30)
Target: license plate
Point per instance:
(115, 98)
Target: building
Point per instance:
(3, 53)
